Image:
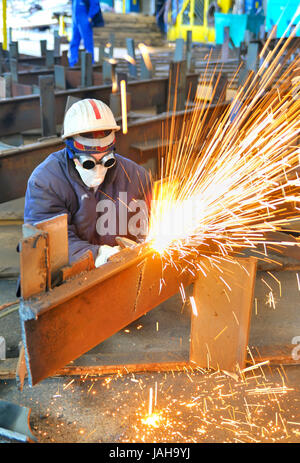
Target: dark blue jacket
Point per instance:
(55, 187)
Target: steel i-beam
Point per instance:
(62, 324)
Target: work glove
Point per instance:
(104, 253)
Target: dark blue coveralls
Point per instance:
(82, 28)
(55, 187)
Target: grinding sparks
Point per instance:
(298, 281)
(114, 86)
(194, 306)
(150, 400)
(124, 106)
(221, 332)
(228, 407)
(228, 182)
(152, 420)
(186, 404)
(112, 61)
(270, 300)
(145, 53)
(130, 59)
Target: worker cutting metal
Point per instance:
(104, 194)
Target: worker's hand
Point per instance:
(104, 253)
(90, 20)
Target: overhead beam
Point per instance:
(23, 113)
(31, 77)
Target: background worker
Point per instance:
(160, 8)
(88, 181)
(83, 12)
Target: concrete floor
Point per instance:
(191, 406)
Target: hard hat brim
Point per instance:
(116, 129)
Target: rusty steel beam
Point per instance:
(160, 361)
(62, 324)
(18, 164)
(29, 61)
(31, 77)
(23, 113)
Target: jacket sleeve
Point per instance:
(142, 190)
(42, 203)
(93, 9)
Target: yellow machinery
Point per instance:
(4, 25)
(195, 16)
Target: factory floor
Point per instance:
(263, 405)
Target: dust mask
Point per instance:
(91, 177)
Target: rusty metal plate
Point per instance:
(34, 272)
(57, 230)
(220, 329)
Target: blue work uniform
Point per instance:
(55, 187)
(82, 28)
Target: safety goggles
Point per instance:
(89, 162)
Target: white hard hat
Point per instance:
(88, 115)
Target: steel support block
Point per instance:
(189, 50)
(43, 47)
(177, 86)
(60, 77)
(252, 57)
(47, 105)
(220, 83)
(225, 45)
(179, 51)
(132, 69)
(86, 69)
(220, 325)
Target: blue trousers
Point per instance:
(81, 29)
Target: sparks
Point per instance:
(130, 59)
(145, 53)
(124, 106)
(152, 420)
(194, 306)
(226, 183)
